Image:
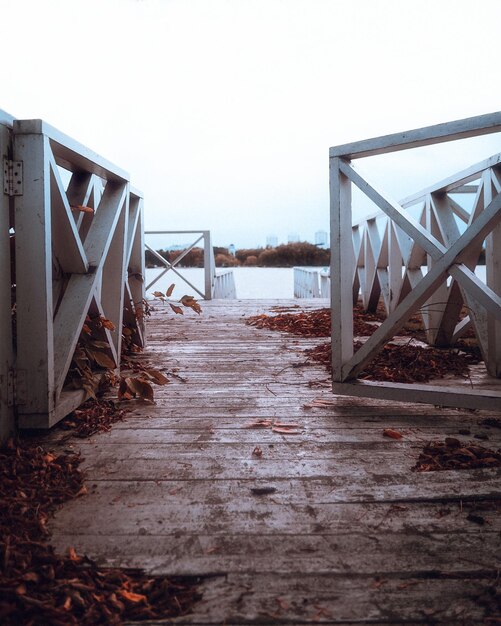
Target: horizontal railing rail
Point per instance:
(80, 224)
(216, 285)
(425, 264)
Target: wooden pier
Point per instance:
(328, 525)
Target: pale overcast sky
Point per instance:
(223, 111)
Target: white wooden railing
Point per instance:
(216, 284)
(78, 252)
(306, 283)
(386, 260)
(311, 282)
(224, 285)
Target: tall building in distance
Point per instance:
(322, 239)
(292, 238)
(271, 241)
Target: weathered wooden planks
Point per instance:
(347, 534)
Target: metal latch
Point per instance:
(12, 177)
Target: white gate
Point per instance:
(387, 261)
(78, 252)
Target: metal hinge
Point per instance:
(11, 388)
(12, 177)
(16, 387)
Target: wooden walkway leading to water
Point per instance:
(342, 530)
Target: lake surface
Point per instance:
(250, 282)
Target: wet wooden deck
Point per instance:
(346, 532)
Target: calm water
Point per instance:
(250, 282)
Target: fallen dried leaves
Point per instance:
(395, 363)
(310, 324)
(38, 587)
(452, 454)
(406, 363)
(92, 417)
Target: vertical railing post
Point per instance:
(34, 306)
(493, 280)
(341, 269)
(6, 348)
(394, 268)
(208, 265)
(114, 276)
(136, 269)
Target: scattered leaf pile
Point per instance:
(318, 324)
(312, 323)
(39, 588)
(92, 417)
(452, 454)
(404, 363)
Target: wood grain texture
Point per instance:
(347, 533)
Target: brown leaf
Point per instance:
(158, 294)
(141, 388)
(169, 291)
(190, 302)
(82, 209)
(124, 392)
(31, 577)
(286, 431)
(157, 377)
(73, 556)
(132, 597)
(102, 359)
(259, 424)
(177, 309)
(107, 323)
(393, 434)
(102, 345)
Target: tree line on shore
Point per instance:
(285, 255)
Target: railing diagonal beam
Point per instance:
(476, 233)
(394, 211)
(66, 243)
(81, 287)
